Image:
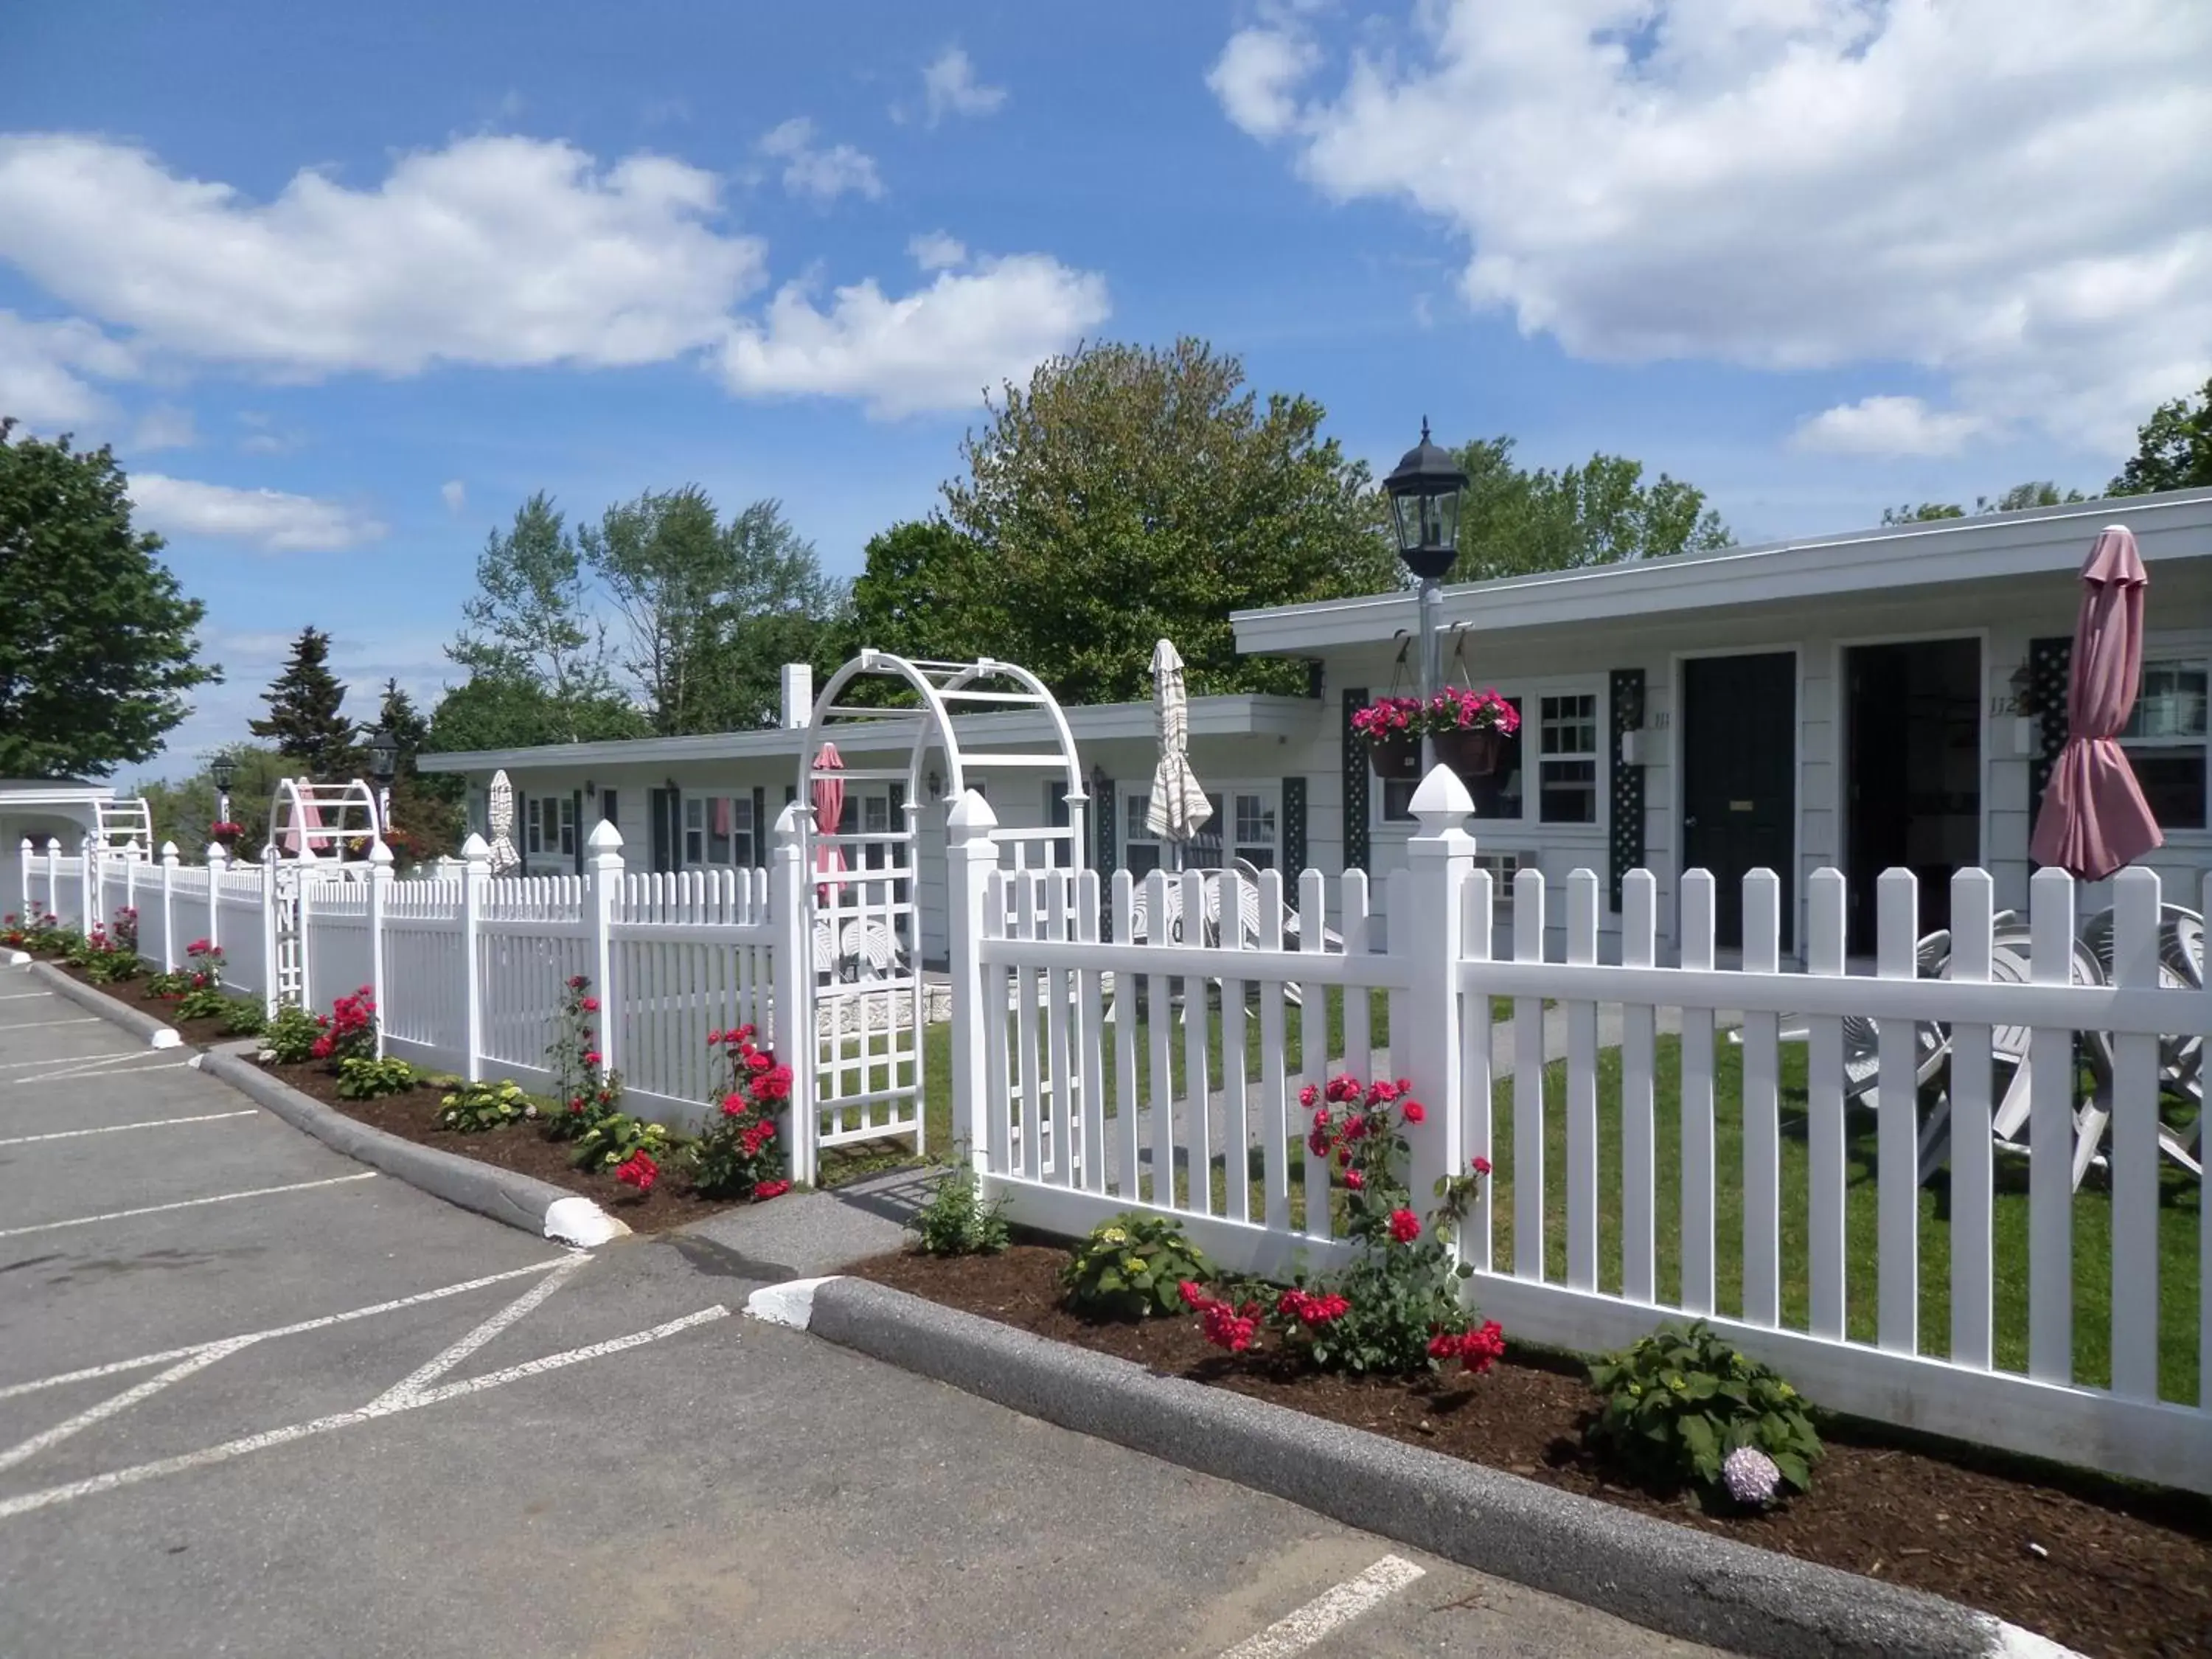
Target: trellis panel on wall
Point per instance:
(1356, 783)
(2049, 663)
(1294, 826)
(1625, 845)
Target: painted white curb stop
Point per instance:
(194, 1063)
(581, 1222)
(791, 1303)
(19, 959)
(165, 1038)
(2011, 1642)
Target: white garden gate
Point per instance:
(868, 992)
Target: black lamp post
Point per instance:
(222, 772)
(1424, 498)
(383, 765)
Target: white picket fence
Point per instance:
(1074, 1109)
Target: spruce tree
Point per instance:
(307, 721)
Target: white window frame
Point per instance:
(1134, 803)
(562, 834)
(699, 836)
(1545, 760)
(1388, 811)
(2197, 656)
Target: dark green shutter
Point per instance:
(1355, 781)
(760, 825)
(1627, 840)
(1108, 843)
(1294, 831)
(2050, 665)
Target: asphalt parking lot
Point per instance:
(255, 1400)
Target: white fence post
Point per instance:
(218, 860)
(89, 885)
(606, 864)
(26, 915)
(133, 856)
(169, 860)
(379, 887)
(970, 857)
(475, 875)
(791, 1012)
(1441, 856)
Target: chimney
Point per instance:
(797, 694)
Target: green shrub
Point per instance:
(290, 1038)
(470, 1109)
(361, 1078)
(956, 1221)
(202, 1002)
(1678, 1402)
(112, 966)
(171, 984)
(1131, 1268)
(616, 1138)
(242, 1017)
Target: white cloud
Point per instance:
(935, 251)
(949, 83)
(455, 494)
(2008, 193)
(267, 519)
(501, 252)
(938, 348)
(1257, 72)
(1887, 427)
(165, 426)
(43, 366)
(820, 175)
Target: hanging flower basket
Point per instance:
(1391, 729)
(225, 833)
(1469, 729)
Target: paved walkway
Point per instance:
(255, 1399)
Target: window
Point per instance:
(1566, 783)
(1496, 794)
(550, 826)
(1254, 826)
(2165, 741)
(718, 831)
(1244, 826)
(1140, 850)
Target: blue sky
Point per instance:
(343, 287)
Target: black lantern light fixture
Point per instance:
(1425, 491)
(383, 754)
(222, 772)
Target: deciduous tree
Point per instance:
(97, 644)
(530, 622)
(2173, 448)
(1514, 521)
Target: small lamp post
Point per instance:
(222, 772)
(1424, 500)
(383, 765)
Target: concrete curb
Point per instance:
(1665, 1578)
(519, 1201)
(154, 1033)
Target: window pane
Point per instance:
(1144, 858)
(1256, 820)
(695, 814)
(722, 819)
(1137, 806)
(694, 847)
(2171, 704)
(1398, 800)
(1569, 792)
(2172, 781)
(876, 814)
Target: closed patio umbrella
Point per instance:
(828, 795)
(499, 816)
(310, 818)
(1178, 808)
(2094, 820)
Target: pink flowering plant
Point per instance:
(587, 1091)
(1395, 1309)
(1389, 718)
(348, 1031)
(1461, 709)
(740, 1153)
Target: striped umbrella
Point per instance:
(499, 813)
(1178, 808)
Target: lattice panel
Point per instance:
(1625, 846)
(2049, 664)
(1294, 828)
(1356, 781)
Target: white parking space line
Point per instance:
(47, 1024)
(412, 1386)
(254, 1443)
(117, 1128)
(114, 1367)
(24, 996)
(107, 1408)
(70, 1059)
(111, 1065)
(1329, 1612)
(184, 1204)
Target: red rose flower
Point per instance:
(1415, 1112)
(771, 1189)
(1404, 1226)
(1481, 1165)
(1354, 1180)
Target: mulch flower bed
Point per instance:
(2103, 1566)
(132, 994)
(521, 1147)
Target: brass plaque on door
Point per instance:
(1740, 807)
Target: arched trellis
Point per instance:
(314, 823)
(120, 825)
(864, 1002)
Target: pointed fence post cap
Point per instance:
(169, 854)
(971, 815)
(604, 838)
(787, 822)
(477, 850)
(215, 854)
(379, 854)
(1441, 801)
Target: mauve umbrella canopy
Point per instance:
(2094, 820)
(828, 795)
